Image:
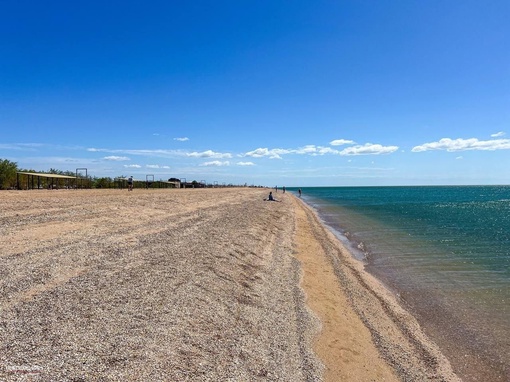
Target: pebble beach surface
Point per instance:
(192, 285)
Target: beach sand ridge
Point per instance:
(192, 285)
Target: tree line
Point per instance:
(8, 171)
(9, 180)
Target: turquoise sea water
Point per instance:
(446, 252)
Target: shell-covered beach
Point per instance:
(193, 285)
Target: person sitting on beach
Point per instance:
(270, 198)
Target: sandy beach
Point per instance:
(193, 285)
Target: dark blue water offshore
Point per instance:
(446, 252)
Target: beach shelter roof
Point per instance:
(44, 175)
(31, 176)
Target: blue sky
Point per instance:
(295, 93)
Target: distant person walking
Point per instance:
(299, 192)
(283, 188)
(130, 183)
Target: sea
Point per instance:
(445, 252)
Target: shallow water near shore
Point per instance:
(446, 252)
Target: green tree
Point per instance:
(104, 182)
(8, 171)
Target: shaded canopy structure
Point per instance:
(31, 180)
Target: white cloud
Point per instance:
(459, 158)
(216, 163)
(265, 152)
(245, 164)
(156, 166)
(116, 158)
(258, 153)
(460, 144)
(313, 150)
(341, 142)
(132, 166)
(368, 149)
(209, 154)
(277, 153)
(326, 150)
(308, 149)
(183, 139)
(499, 134)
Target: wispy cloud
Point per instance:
(40, 161)
(499, 134)
(261, 152)
(460, 144)
(183, 139)
(313, 150)
(277, 153)
(245, 164)
(321, 150)
(156, 166)
(209, 154)
(143, 152)
(216, 163)
(21, 146)
(132, 166)
(116, 158)
(163, 153)
(369, 149)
